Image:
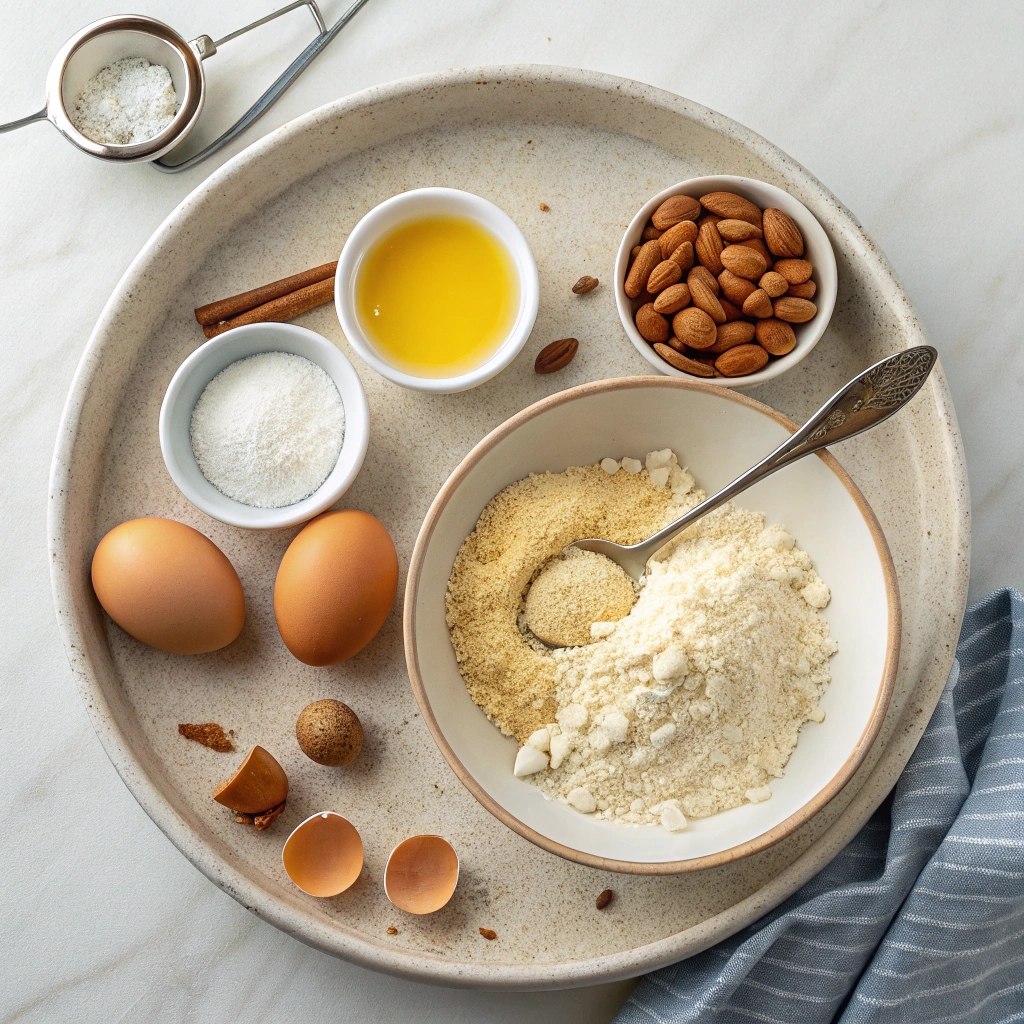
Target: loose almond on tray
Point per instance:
(717, 284)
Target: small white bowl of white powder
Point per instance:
(265, 426)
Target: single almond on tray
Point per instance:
(585, 284)
(794, 271)
(738, 230)
(683, 255)
(781, 234)
(681, 362)
(741, 360)
(675, 209)
(684, 231)
(556, 356)
(802, 291)
(734, 288)
(694, 328)
(731, 312)
(774, 285)
(776, 336)
(757, 304)
(703, 288)
(665, 273)
(729, 335)
(651, 232)
(674, 298)
(646, 260)
(794, 311)
(651, 324)
(744, 262)
(709, 246)
(730, 206)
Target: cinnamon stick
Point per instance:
(225, 309)
(280, 309)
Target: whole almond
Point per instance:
(674, 298)
(708, 218)
(556, 356)
(633, 253)
(794, 311)
(651, 325)
(730, 206)
(758, 304)
(731, 312)
(703, 296)
(738, 230)
(734, 288)
(681, 362)
(742, 261)
(776, 336)
(729, 335)
(741, 360)
(641, 300)
(651, 232)
(774, 284)
(782, 234)
(693, 327)
(802, 291)
(683, 254)
(585, 284)
(794, 271)
(709, 246)
(758, 246)
(665, 273)
(705, 275)
(646, 260)
(684, 231)
(675, 209)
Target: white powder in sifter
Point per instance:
(268, 429)
(127, 102)
(693, 702)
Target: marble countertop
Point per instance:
(909, 112)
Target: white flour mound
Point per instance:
(694, 702)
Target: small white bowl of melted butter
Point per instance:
(437, 290)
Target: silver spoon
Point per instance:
(870, 398)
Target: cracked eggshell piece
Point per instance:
(324, 855)
(560, 747)
(258, 784)
(529, 761)
(421, 874)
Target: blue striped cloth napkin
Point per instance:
(921, 917)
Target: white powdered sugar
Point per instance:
(268, 429)
(693, 703)
(127, 102)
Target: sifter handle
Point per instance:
(10, 126)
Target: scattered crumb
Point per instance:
(267, 818)
(392, 930)
(210, 734)
(604, 899)
(488, 934)
(544, 208)
(243, 819)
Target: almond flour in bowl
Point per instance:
(690, 704)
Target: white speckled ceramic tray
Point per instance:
(594, 149)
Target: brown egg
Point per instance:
(259, 784)
(329, 732)
(324, 855)
(335, 586)
(168, 586)
(421, 874)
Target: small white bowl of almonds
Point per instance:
(725, 278)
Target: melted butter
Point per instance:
(437, 296)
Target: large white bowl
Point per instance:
(191, 378)
(818, 249)
(718, 434)
(432, 202)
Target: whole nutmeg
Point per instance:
(329, 732)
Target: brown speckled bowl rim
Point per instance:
(674, 867)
